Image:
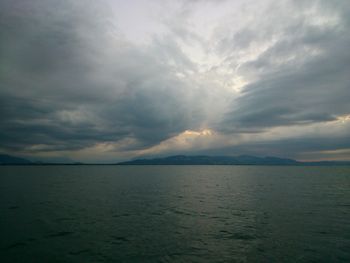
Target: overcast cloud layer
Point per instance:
(112, 80)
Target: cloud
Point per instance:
(69, 83)
(88, 82)
(299, 77)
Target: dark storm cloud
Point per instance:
(68, 80)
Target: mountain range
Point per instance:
(184, 160)
(226, 160)
(212, 160)
(8, 159)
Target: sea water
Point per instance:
(174, 214)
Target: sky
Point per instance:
(111, 80)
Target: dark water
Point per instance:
(174, 214)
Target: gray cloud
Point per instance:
(70, 79)
(67, 83)
(301, 78)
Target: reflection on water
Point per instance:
(174, 214)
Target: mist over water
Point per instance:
(174, 214)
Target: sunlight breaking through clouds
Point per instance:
(344, 118)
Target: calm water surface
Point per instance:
(174, 214)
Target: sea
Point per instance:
(87, 213)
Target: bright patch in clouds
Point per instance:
(185, 141)
(344, 118)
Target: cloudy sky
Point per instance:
(109, 80)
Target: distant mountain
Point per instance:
(213, 160)
(8, 159)
(183, 160)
